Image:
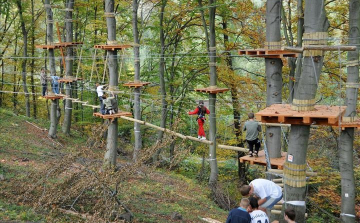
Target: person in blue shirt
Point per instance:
(240, 214)
(55, 84)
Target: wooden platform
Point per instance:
(58, 45)
(276, 163)
(117, 115)
(212, 90)
(136, 84)
(113, 47)
(53, 96)
(282, 113)
(268, 53)
(68, 79)
(353, 124)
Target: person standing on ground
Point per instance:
(252, 129)
(100, 93)
(240, 215)
(268, 192)
(289, 215)
(43, 80)
(200, 111)
(257, 216)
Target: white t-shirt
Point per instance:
(259, 216)
(266, 188)
(100, 91)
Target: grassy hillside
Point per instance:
(46, 180)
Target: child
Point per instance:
(201, 110)
(257, 215)
(110, 104)
(252, 129)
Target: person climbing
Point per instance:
(252, 129)
(43, 80)
(268, 192)
(240, 215)
(289, 215)
(257, 216)
(110, 104)
(200, 111)
(55, 84)
(100, 93)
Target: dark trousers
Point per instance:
(44, 86)
(102, 106)
(253, 143)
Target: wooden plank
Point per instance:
(235, 148)
(282, 113)
(261, 160)
(136, 84)
(212, 90)
(113, 47)
(53, 97)
(112, 116)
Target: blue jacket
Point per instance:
(238, 215)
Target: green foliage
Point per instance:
(10, 212)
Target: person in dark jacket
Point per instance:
(200, 111)
(240, 214)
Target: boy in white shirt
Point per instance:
(257, 216)
(268, 192)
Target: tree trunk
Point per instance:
(304, 99)
(164, 103)
(300, 31)
(236, 109)
(273, 69)
(212, 97)
(347, 136)
(24, 60)
(50, 40)
(33, 91)
(111, 145)
(53, 118)
(137, 91)
(69, 66)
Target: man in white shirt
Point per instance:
(100, 93)
(268, 192)
(257, 216)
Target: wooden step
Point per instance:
(112, 116)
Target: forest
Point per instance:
(293, 63)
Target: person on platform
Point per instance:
(257, 216)
(200, 111)
(267, 191)
(110, 104)
(55, 84)
(100, 93)
(252, 129)
(240, 215)
(289, 215)
(43, 80)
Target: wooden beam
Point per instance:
(235, 148)
(321, 47)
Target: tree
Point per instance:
(25, 55)
(137, 91)
(347, 135)
(54, 115)
(69, 65)
(111, 142)
(316, 24)
(273, 67)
